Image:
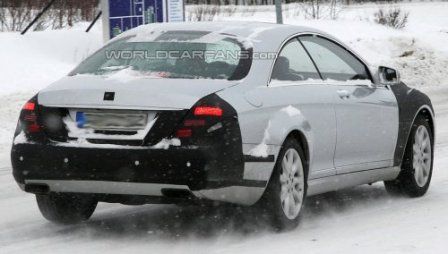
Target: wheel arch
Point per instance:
(427, 113)
(406, 183)
(411, 104)
(300, 137)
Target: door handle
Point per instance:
(344, 94)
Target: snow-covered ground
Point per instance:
(362, 219)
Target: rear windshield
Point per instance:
(183, 54)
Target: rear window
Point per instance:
(173, 54)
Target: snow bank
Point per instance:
(426, 36)
(32, 61)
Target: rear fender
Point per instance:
(279, 126)
(264, 155)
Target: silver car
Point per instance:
(254, 114)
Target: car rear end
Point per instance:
(164, 153)
(161, 135)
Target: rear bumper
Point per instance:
(134, 171)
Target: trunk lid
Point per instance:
(145, 93)
(86, 112)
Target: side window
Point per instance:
(333, 61)
(294, 64)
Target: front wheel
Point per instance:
(66, 208)
(285, 194)
(415, 177)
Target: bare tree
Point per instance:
(312, 9)
(393, 17)
(317, 9)
(16, 14)
(203, 12)
(335, 7)
(13, 17)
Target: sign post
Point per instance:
(175, 11)
(278, 11)
(122, 15)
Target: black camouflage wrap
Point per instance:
(410, 103)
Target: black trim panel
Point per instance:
(242, 183)
(409, 102)
(181, 166)
(251, 158)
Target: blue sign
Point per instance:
(122, 15)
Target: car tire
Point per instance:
(66, 208)
(416, 170)
(287, 184)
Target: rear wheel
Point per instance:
(415, 176)
(66, 208)
(286, 191)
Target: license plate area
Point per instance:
(112, 120)
(108, 124)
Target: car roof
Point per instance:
(262, 35)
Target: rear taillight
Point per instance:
(207, 111)
(194, 122)
(34, 128)
(29, 117)
(40, 123)
(30, 105)
(204, 114)
(184, 133)
(201, 117)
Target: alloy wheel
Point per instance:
(422, 156)
(292, 184)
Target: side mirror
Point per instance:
(388, 76)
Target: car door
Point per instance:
(366, 114)
(296, 81)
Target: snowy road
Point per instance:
(359, 219)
